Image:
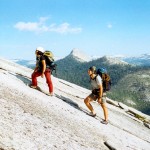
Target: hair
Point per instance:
(39, 52)
(93, 69)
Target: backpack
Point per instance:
(102, 72)
(49, 57)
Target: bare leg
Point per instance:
(105, 110)
(87, 101)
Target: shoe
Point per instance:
(50, 94)
(92, 115)
(104, 122)
(32, 86)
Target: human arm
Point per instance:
(43, 68)
(100, 94)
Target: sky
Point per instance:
(96, 27)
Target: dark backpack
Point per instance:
(49, 57)
(102, 72)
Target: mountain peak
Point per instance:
(114, 60)
(142, 60)
(79, 55)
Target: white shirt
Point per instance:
(96, 82)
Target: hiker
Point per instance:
(41, 69)
(97, 94)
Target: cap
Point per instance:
(41, 49)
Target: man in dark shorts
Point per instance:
(97, 94)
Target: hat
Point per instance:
(41, 49)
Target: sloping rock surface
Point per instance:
(31, 120)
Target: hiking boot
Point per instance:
(34, 87)
(50, 94)
(104, 122)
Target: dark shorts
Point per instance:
(95, 94)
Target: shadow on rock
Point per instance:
(71, 103)
(25, 79)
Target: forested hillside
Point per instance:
(122, 75)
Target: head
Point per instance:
(92, 71)
(39, 51)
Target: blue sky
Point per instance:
(96, 27)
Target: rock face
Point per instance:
(31, 120)
(78, 55)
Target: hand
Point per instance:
(99, 100)
(42, 75)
